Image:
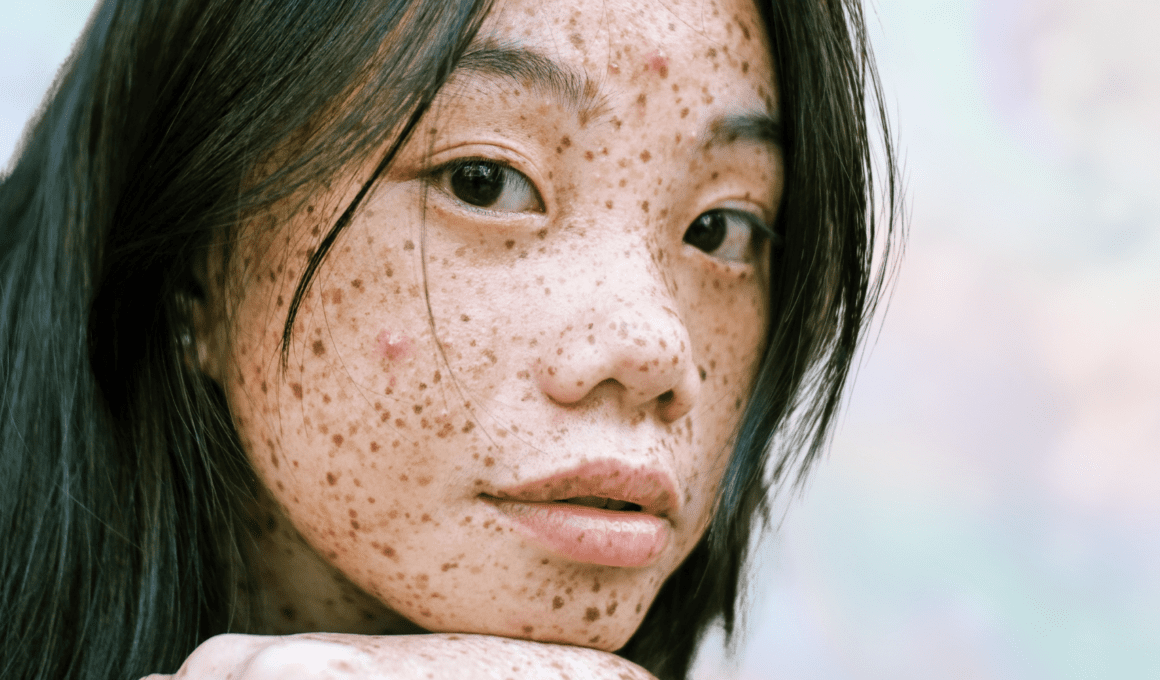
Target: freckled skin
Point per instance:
(539, 340)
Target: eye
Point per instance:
(489, 185)
(728, 234)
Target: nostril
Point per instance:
(666, 397)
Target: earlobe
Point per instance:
(203, 343)
(200, 342)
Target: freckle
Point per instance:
(388, 551)
(745, 67)
(403, 477)
(557, 602)
(337, 439)
(296, 388)
(417, 408)
(326, 398)
(637, 607)
(684, 112)
(509, 244)
(591, 614)
(374, 447)
(489, 461)
(641, 99)
(279, 300)
(408, 245)
(644, 206)
(611, 609)
(336, 296)
(425, 518)
(608, 204)
(318, 348)
(354, 524)
(701, 370)
(645, 156)
(331, 478)
(309, 209)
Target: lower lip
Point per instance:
(591, 535)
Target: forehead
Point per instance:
(612, 52)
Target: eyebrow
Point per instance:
(579, 93)
(572, 88)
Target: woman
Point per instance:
(366, 318)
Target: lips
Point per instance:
(602, 513)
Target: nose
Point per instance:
(625, 333)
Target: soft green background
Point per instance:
(991, 505)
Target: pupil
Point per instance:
(478, 183)
(707, 232)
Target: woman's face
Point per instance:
(512, 387)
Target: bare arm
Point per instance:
(403, 657)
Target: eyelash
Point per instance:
(443, 179)
(711, 226)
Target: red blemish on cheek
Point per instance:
(393, 345)
(659, 63)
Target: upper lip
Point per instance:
(653, 490)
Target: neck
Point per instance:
(289, 588)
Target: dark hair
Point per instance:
(121, 478)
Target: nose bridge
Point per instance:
(627, 329)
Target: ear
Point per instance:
(206, 349)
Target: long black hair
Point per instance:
(122, 481)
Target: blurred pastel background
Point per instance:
(990, 508)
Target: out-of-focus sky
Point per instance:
(990, 508)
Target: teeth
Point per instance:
(599, 502)
(589, 501)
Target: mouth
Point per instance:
(602, 503)
(605, 485)
(600, 513)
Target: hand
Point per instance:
(327, 656)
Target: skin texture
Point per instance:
(335, 657)
(446, 351)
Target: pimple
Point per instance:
(393, 346)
